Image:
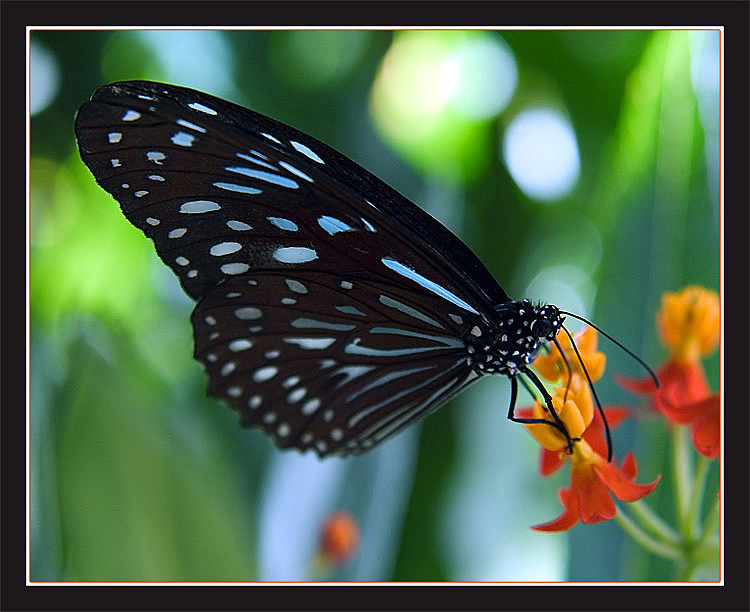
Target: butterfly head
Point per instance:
(520, 329)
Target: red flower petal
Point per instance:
(629, 466)
(619, 483)
(550, 462)
(568, 519)
(706, 428)
(639, 386)
(594, 500)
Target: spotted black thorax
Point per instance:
(517, 334)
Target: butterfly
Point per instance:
(331, 311)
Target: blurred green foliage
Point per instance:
(136, 475)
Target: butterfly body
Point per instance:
(331, 311)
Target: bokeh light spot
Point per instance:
(44, 78)
(485, 77)
(541, 152)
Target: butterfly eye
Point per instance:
(541, 328)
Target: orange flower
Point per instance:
(552, 366)
(550, 461)
(339, 538)
(689, 325)
(592, 477)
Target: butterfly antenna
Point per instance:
(593, 392)
(567, 366)
(606, 335)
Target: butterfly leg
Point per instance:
(557, 423)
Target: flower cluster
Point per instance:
(592, 477)
(689, 326)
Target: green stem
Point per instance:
(699, 486)
(662, 549)
(651, 521)
(712, 523)
(683, 469)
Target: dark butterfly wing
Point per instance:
(201, 176)
(335, 363)
(232, 198)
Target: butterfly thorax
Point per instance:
(517, 333)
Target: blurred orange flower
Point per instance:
(339, 538)
(689, 326)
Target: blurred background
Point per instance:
(581, 166)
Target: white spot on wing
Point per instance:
(228, 368)
(296, 171)
(182, 261)
(265, 373)
(314, 344)
(333, 225)
(295, 254)
(310, 406)
(235, 268)
(191, 126)
(290, 382)
(238, 226)
(432, 286)
(296, 395)
(270, 137)
(115, 163)
(268, 177)
(306, 151)
(114, 137)
(152, 221)
(295, 286)
(408, 310)
(182, 139)
(131, 115)
(198, 206)
(248, 313)
(200, 107)
(240, 344)
(224, 248)
(156, 156)
(352, 310)
(237, 188)
(256, 161)
(177, 232)
(306, 323)
(284, 224)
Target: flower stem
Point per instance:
(651, 521)
(696, 499)
(662, 549)
(683, 468)
(711, 524)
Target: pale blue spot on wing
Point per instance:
(268, 177)
(333, 225)
(432, 286)
(295, 254)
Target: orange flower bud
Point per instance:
(689, 322)
(339, 538)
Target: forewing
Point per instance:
(222, 191)
(335, 363)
